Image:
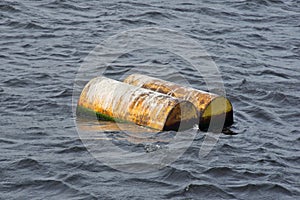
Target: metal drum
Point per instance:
(212, 108)
(109, 99)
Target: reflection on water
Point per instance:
(97, 129)
(121, 145)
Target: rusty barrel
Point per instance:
(212, 108)
(117, 101)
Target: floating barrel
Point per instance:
(211, 107)
(117, 101)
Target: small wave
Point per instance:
(150, 182)
(272, 98)
(198, 191)
(263, 115)
(66, 5)
(40, 105)
(6, 141)
(154, 15)
(178, 176)
(228, 148)
(93, 166)
(59, 55)
(269, 161)
(28, 163)
(254, 5)
(272, 73)
(29, 25)
(136, 4)
(251, 174)
(27, 45)
(185, 10)
(12, 23)
(40, 76)
(261, 189)
(56, 186)
(74, 149)
(241, 45)
(257, 36)
(32, 25)
(8, 8)
(220, 171)
(262, 28)
(269, 2)
(187, 4)
(74, 178)
(62, 94)
(17, 82)
(137, 21)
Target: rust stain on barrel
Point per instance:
(209, 105)
(141, 106)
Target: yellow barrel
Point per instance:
(117, 101)
(211, 107)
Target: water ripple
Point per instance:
(255, 44)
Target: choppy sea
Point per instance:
(255, 45)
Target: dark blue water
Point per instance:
(255, 44)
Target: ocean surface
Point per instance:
(43, 45)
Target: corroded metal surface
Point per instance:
(114, 100)
(210, 106)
